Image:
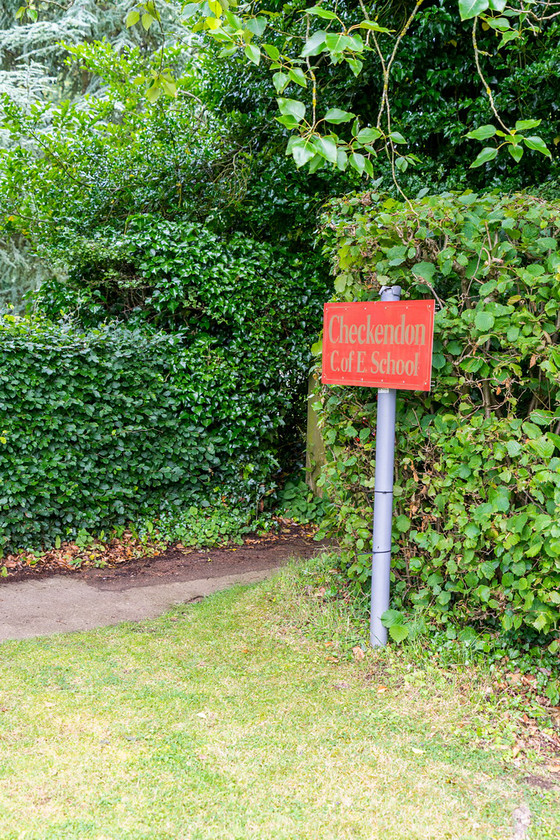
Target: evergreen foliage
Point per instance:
(118, 423)
(476, 530)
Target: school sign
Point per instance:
(379, 344)
(385, 344)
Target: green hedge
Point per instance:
(173, 371)
(477, 524)
(113, 425)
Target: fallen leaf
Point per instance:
(358, 653)
(553, 768)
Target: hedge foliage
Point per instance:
(477, 520)
(109, 422)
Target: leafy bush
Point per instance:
(208, 526)
(477, 519)
(182, 277)
(296, 501)
(117, 423)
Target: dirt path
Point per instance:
(41, 602)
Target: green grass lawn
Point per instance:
(224, 720)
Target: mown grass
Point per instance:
(225, 720)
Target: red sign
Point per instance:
(382, 344)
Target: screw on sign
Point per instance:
(387, 345)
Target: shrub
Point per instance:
(180, 276)
(111, 425)
(182, 380)
(477, 494)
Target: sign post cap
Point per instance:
(392, 291)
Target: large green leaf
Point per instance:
(543, 446)
(253, 53)
(482, 133)
(484, 321)
(336, 115)
(291, 108)
(327, 147)
(538, 144)
(425, 270)
(471, 8)
(368, 135)
(525, 125)
(318, 11)
(398, 632)
(315, 44)
(486, 155)
(302, 151)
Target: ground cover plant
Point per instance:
(225, 719)
(476, 533)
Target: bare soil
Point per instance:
(177, 563)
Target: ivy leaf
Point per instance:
(485, 155)
(497, 5)
(471, 8)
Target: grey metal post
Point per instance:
(383, 501)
